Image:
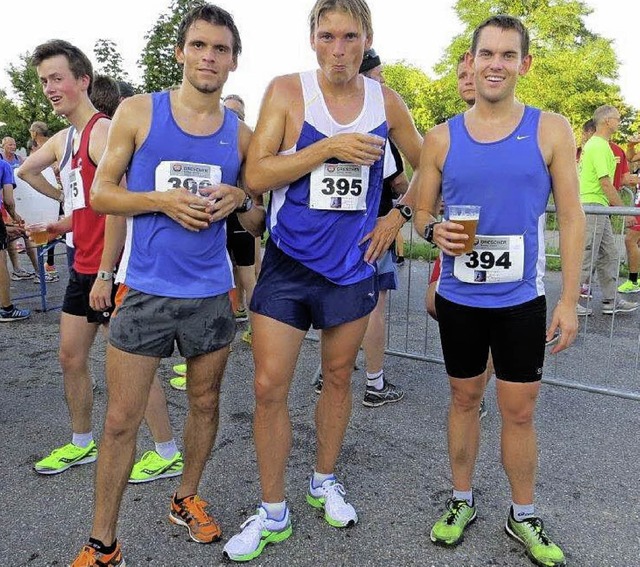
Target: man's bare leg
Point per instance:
(517, 403)
(76, 337)
(339, 349)
(201, 427)
(464, 428)
(374, 338)
(129, 378)
(276, 347)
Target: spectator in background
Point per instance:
(8, 311)
(105, 94)
(40, 135)
(21, 243)
(9, 152)
(596, 169)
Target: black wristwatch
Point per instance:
(428, 231)
(405, 210)
(246, 205)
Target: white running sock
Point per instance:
(167, 450)
(375, 380)
(523, 512)
(464, 495)
(82, 439)
(276, 511)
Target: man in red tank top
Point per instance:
(66, 75)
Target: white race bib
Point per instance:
(187, 175)
(76, 190)
(339, 187)
(494, 259)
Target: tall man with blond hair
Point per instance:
(319, 144)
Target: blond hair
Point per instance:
(357, 9)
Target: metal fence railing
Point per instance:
(605, 357)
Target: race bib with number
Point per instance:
(339, 187)
(76, 190)
(187, 175)
(494, 259)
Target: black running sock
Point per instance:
(101, 547)
(180, 500)
(8, 308)
(633, 277)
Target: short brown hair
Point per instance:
(215, 16)
(78, 62)
(106, 95)
(503, 22)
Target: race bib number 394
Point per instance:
(494, 259)
(339, 187)
(186, 175)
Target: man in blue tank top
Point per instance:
(506, 158)
(182, 153)
(318, 144)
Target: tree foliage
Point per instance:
(158, 62)
(31, 104)
(109, 60)
(574, 70)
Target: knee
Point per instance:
(71, 361)
(122, 423)
(205, 403)
(466, 399)
(269, 391)
(518, 416)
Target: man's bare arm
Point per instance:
(571, 223)
(31, 170)
(267, 169)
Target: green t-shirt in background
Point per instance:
(597, 161)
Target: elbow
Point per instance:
(21, 173)
(256, 180)
(98, 203)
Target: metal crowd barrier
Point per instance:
(605, 358)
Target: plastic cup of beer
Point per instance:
(467, 216)
(38, 233)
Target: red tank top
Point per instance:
(88, 226)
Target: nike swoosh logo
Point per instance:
(223, 143)
(522, 137)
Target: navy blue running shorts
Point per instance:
(289, 292)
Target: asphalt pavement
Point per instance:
(393, 464)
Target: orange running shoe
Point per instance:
(91, 557)
(192, 514)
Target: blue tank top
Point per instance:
(510, 180)
(326, 241)
(160, 256)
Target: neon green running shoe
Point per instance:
(180, 369)
(256, 532)
(152, 467)
(629, 287)
(449, 529)
(178, 383)
(530, 533)
(66, 457)
(247, 336)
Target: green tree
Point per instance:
(574, 70)
(109, 60)
(31, 104)
(160, 70)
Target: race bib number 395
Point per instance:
(494, 259)
(186, 175)
(339, 187)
